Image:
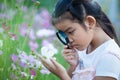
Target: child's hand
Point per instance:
(55, 68)
(71, 56)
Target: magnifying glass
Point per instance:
(62, 37)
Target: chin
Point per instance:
(81, 49)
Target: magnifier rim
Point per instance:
(66, 38)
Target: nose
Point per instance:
(70, 40)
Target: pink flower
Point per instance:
(32, 71)
(33, 45)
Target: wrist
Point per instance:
(66, 77)
(72, 66)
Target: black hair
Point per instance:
(79, 9)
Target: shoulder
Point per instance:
(108, 65)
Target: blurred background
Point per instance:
(25, 26)
(112, 9)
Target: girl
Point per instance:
(92, 49)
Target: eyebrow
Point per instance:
(68, 29)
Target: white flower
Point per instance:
(48, 51)
(45, 33)
(1, 43)
(38, 64)
(45, 71)
(24, 74)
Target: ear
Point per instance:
(90, 22)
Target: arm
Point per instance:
(103, 78)
(70, 70)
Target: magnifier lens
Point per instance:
(62, 37)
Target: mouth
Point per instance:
(74, 46)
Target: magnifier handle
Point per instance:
(69, 47)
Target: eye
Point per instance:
(71, 32)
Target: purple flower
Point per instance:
(44, 71)
(45, 14)
(22, 64)
(32, 35)
(46, 18)
(2, 16)
(14, 57)
(31, 61)
(0, 52)
(45, 42)
(24, 29)
(32, 71)
(24, 8)
(33, 45)
(46, 24)
(23, 56)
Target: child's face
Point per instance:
(79, 37)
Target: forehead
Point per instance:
(64, 24)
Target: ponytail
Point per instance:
(107, 26)
(92, 8)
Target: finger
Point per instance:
(55, 62)
(67, 54)
(42, 59)
(47, 63)
(65, 51)
(65, 47)
(69, 57)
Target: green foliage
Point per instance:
(49, 4)
(10, 26)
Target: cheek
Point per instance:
(83, 40)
